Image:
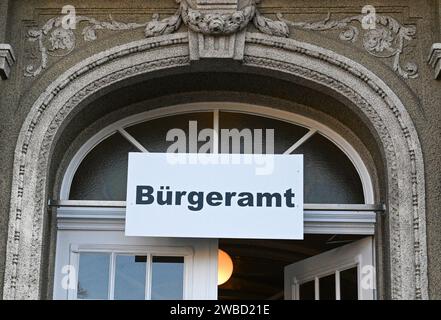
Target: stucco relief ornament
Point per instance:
(158, 27)
(224, 24)
(61, 39)
(56, 41)
(387, 40)
(216, 23)
(53, 40)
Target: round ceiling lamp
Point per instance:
(225, 267)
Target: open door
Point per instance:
(344, 273)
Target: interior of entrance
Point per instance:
(258, 265)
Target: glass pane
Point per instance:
(93, 276)
(130, 277)
(329, 175)
(103, 173)
(307, 291)
(168, 278)
(327, 287)
(285, 134)
(349, 284)
(153, 134)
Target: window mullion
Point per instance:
(112, 277)
(317, 288)
(337, 285)
(302, 140)
(148, 278)
(132, 140)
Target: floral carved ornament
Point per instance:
(387, 40)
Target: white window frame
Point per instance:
(149, 251)
(357, 254)
(200, 258)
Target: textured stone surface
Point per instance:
(419, 99)
(3, 19)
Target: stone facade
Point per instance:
(381, 80)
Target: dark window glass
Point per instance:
(349, 284)
(307, 291)
(93, 276)
(327, 287)
(168, 278)
(329, 175)
(152, 134)
(285, 134)
(103, 173)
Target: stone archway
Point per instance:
(371, 97)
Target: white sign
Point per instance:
(215, 196)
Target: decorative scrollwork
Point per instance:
(387, 40)
(54, 40)
(224, 24)
(271, 27)
(168, 25)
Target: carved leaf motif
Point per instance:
(378, 40)
(62, 39)
(207, 23)
(49, 25)
(89, 33)
(33, 35)
(214, 23)
(350, 34)
(271, 27)
(166, 26)
(388, 22)
(387, 40)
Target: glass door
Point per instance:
(345, 273)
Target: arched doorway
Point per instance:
(339, 203)
(366, 94)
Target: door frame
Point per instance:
(360, 254)
(200, 258)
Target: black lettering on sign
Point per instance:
(195, 200)
(269, 199)
(144, 195)
(246, 199)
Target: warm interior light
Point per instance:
(224, 267)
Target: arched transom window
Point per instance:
(333, 172)
(91, 244)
